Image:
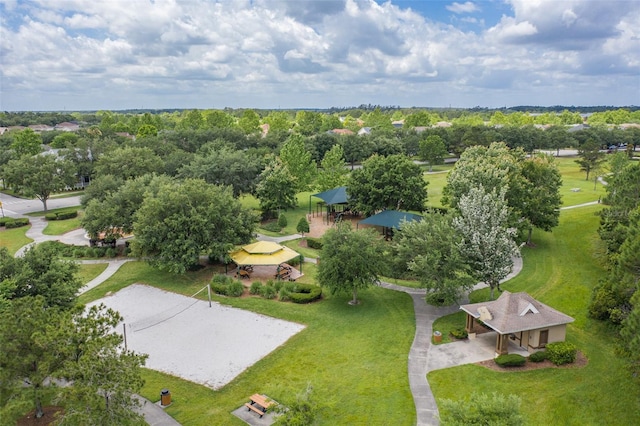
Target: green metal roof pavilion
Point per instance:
(390, 219)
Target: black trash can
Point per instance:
(165, 397)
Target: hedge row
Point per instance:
(284, 290)
(314, 243)
(61, 215)
(9, 222)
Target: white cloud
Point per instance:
(265, 53)
(467, 7)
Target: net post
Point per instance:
(209, 293)
(124, 329)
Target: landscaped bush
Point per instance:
(510, 360)
(271, 226)
(296, 260)
(538, 356)
(66, 215)
(17, 223)
(305, 293)
(561, 353)
(269, 291)
(284, 295)
(282, 220)
(256, 287)
(235, 289)
(111, 252)
(50, 216)
(459, 333)
(219, 288)
(4, 220)
(314, 243)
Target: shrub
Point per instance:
(268, 292)
(256, 287)
(538, 356)
(219, 288)
(277, 285)
(100, 251)
(78, 252)
(50, 216)
(314, 243)
(66, 215)
(235, 289)
(4, 220)
(510, 360)
(271, 226)
(282, 220)
(221, 279)
(284, 295)
(17, 223)
(111, 252)
(561, 353)
(459, 333)
(296, 260)
(305, 293)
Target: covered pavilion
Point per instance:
(520, 318)
(264, 253)
(332, 198)
(390, 220)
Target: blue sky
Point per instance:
(121, 54)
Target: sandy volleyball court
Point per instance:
(187, 338)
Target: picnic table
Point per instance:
(258, 404)
(243, 274)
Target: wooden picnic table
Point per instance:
(243, 274)
(259, 404)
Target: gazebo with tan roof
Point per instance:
(520, 318)
(265, 253)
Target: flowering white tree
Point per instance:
(488, 243)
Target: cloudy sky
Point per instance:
(122, 54)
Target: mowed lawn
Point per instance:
(560, 271)
(14, 239)
(354, 357)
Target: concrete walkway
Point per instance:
(425, 357)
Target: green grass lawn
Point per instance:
(88, 272)
(351, 355)
(560, 271)
(59, 227)
(14, 239)
(573, 178)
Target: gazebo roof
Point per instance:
(334, 196)
(514, 312)
(390, 219)
(263, 253)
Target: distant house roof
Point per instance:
(364, 131)
(442, 124)
(40, 127)
(125, 135)
(398, 124)
(341, 132)
(420, 129)
(578, 127)
(514, 312)
(67, 126)
(390, 219)
(334, 196)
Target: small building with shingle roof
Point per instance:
(520, 318)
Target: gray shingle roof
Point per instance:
(514, 312)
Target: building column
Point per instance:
(502, 344)
(469, 325)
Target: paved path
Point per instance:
(425, 357)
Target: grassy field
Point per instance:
(350, 355)
(560, 271)
(14, 239)
(88, 272)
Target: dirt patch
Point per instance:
(50, 416)
(581, 361)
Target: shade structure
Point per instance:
(263, 253)
(334, 196)
(390, 219)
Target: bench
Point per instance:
(254, 409)
(283, 274)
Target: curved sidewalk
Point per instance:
(422, 359)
